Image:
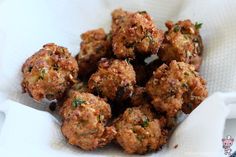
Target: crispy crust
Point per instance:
(94, 46)
(183, 43)
(175, 87)
(114, 79)
(134, 32)
(49, 72)
(138, 131)
(84, 124)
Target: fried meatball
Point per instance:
(182, 43)
(139, 96)
(49, 72)
(113, 80)
(138, 131)
(134, 32)
(84, 121)
(175, 87)
(94, 46)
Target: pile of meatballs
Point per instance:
(111, 92)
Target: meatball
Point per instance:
(84, 121)
(94, 46)
(49, 72)
(175, 87)
(182, 43)
(113, 80)
(138, 131)
(134, 32)
(139, 96)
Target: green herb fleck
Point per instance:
(142, 12)
(176, 28)
(42, 74)
(198, 25)
(77, 102)
(145, 122)
(127, 60)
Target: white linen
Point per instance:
(28, 24)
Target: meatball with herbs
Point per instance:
(84, 121)
(134, 32)
(139, 131)
(176, 87)
(114, 79)
(182, 43)
(94, 46)
(49, 72)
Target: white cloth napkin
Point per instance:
(28, 24)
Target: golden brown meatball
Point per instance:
(49, 72)
(182, 43)
(139, 96)
(175, 87)
(138, 131)
(84, 121)
(114, 79)
(134, 32)
(94, 46)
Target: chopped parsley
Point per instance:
(198, 25)
(145, 122)
(127, 60)
(77, 102)
(176, 28)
